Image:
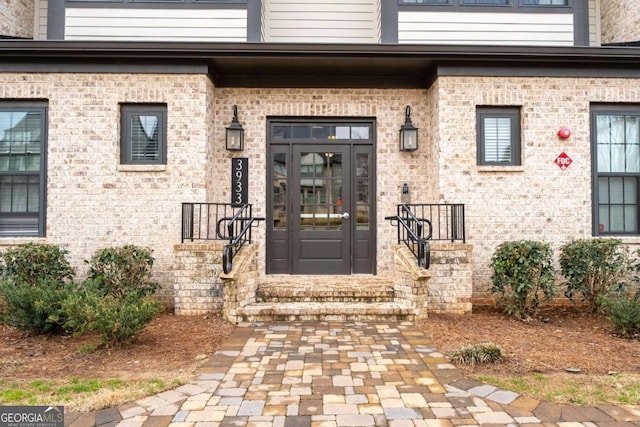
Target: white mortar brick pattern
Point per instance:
(538, 200)
(17, 18)
(393, 167)
(93, 203)
(620, 21)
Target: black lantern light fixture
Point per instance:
(408, 133)
(235, 133)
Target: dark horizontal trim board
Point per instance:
(321, 65)
(486, 9)
(177, 4)
(120, 68)
(539, 71)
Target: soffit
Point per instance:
(318, 65)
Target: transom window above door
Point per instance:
(321, 132)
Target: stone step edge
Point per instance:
(327, 285)
(313, 291)
(325, 308)
(324, 299)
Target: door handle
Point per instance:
(345, 215)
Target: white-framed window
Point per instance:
(23, 142)
(498, 136)
(143, 134)
(616, 148)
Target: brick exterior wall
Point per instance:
(393, 167)
(537, 200)
(92, 201)
(620, 21)
(17, 18)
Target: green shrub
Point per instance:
(33, 264)
(114, 318)
(122, 271)
(522, 274)
(477, 354)
(35, 278)
(594, 268)
(34, 306)
(624, 312)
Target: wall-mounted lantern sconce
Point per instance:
(235, 133)
(408, 133)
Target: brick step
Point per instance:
(325, 292)
(326, 311)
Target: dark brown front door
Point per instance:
(321, 226)
(320, 213)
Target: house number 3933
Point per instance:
(239, 180)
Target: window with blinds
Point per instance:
(143, 131)
(498, 139)
(616, 144)
(22, 168)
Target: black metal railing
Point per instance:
(219, 221)
(447, 220)
(419, 223)
(411, 232)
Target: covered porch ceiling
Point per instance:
(317, 65)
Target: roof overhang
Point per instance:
(317, 65)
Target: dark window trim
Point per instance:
(126, 109)
(285, 145)
(554, 6)
(513, 6)
(43, 106)
(511, 112)
(508, 3)
(617, 109)
(311, 121)
(389, 22)
(158, 4)
(254, 21)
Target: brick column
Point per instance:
(197, 285)
(451, 284)
(410, 282)
(446, 287)
(241, 283)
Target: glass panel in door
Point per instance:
(322, 217)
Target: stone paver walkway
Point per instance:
(340, 374)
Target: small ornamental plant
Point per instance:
(623, 311)
(477, 354)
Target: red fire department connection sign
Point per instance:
(563, 161)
